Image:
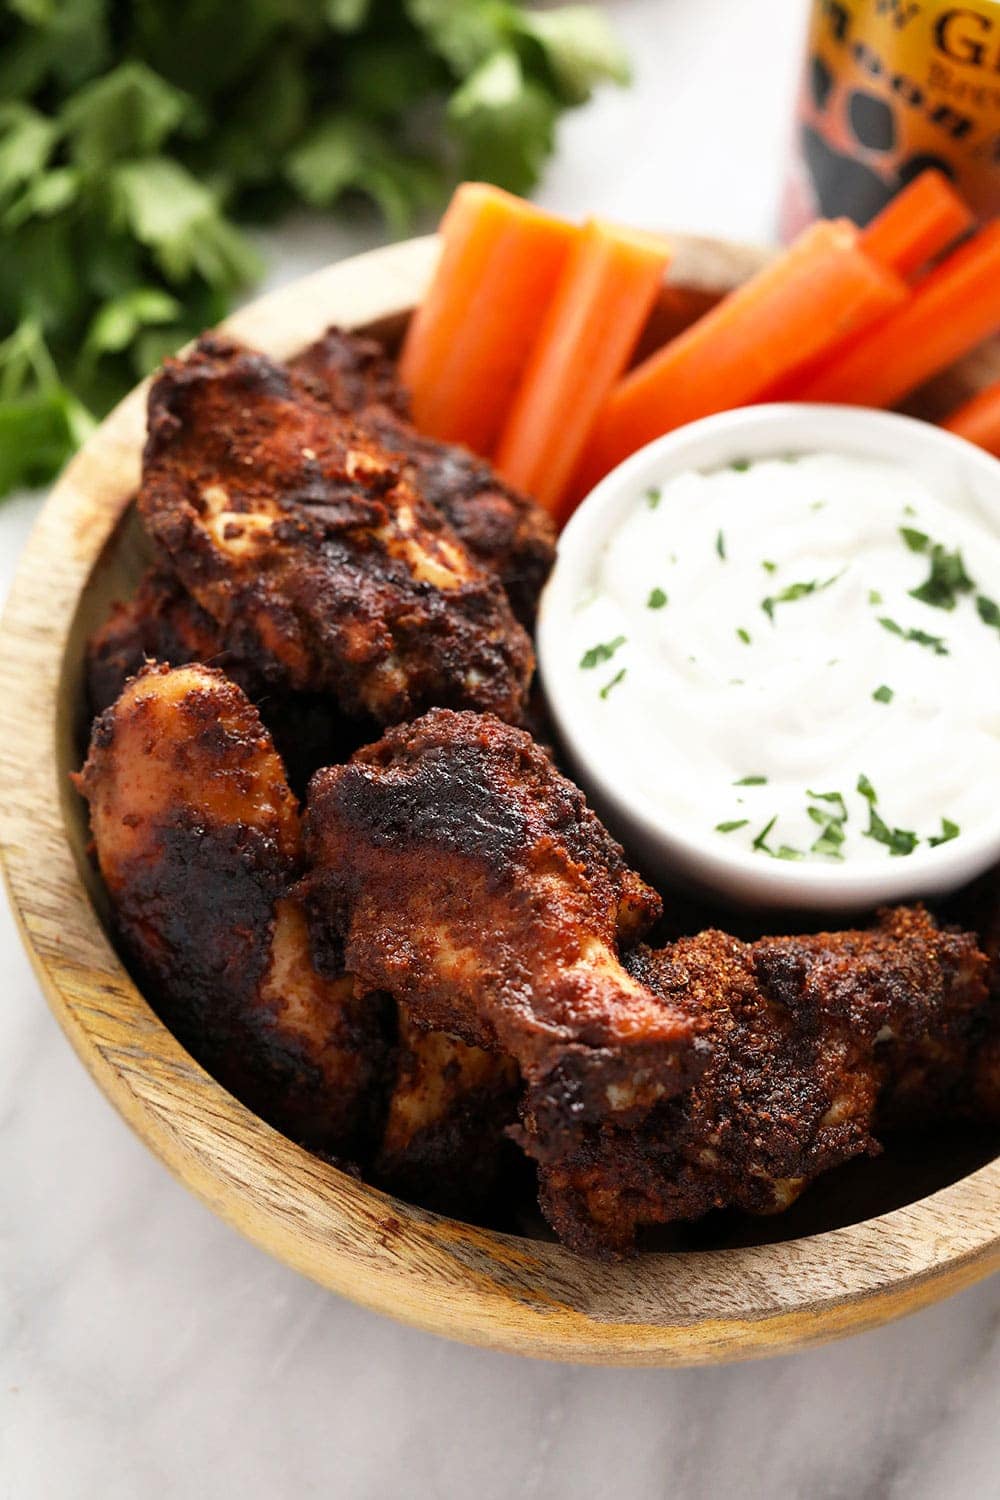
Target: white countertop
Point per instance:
(147, 1350)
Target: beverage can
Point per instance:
(890, 87)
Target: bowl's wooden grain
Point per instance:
(499, 1290)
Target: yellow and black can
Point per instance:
(891, 87)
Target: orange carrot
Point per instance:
(954, 308)
(919, 224)
(808, 300)
(469, 341)
(600, 306)
(979, 419)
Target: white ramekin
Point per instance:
(699, 863)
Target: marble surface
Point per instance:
(145, 1349)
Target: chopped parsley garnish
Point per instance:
(768, 566)
(797, 591)
(949, 831)
(740, 465)
(751, 781)
(817, 504)
(744, 635)
(874, 597)
(720, 545)
(946, 580)
(988, 611)
(883, 694)
(657, 599)
(783, 851)
(616, 679)
(732, 825)
(760, 842)
(653, 496)
(917, 541)
(920, 637)
(831, 820)
(898, 841)
(603, 651)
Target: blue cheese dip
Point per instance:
(800, 655)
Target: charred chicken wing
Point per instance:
(453, 866)
(198, 840)
(803, 1034)
(298, 534)
(505, 531)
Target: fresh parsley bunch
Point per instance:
(134, 134)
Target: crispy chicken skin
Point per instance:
(508, 533)
(445, 1132)
(296, 532)
(198, 840)
(454, 867)
(161, 623)
(803, 1035)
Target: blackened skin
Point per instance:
(803, 1034)
(451, 1106)
(316, 558)
(162, 623)
(958, 1075)
(505, 531)
(453, 866)
(198, 839)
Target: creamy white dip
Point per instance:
(750, 654)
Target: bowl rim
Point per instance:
(447, 1277)
(670, 848)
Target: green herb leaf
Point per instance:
(615, 680)
(740, 465)
(653, 496)
(751, 781)
(934, 643)
(657, 599)
(883, 694)
(603, 651)
(949, 831)
(946, 580)
(720, 545)
(795, 591)
(988, 611)
(732, 825)
(760, 842)
(744, 635)
(769, 567)
(917, 541)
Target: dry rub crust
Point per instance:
(454, 867)
(198, 839)
(804, 1034)
(295, 531)
(505, 531)
(161, 623)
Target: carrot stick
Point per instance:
(919, 224)
(954, 308)
(819, 292)
(602, 301)
(469, 341)
(979, 419)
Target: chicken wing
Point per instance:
(445, 1132)
(803, 1034)
(198, 840)
(294, 530)
(161, 623)
(453, 866)
(508, 533)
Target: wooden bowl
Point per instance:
(688, 1306)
